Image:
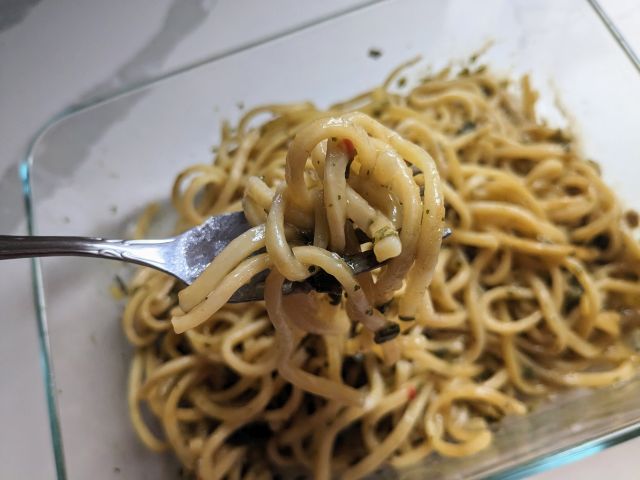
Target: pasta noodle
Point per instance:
(535, 291)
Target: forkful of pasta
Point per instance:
(184, 256)
(355, 196)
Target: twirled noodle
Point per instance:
(536, 290)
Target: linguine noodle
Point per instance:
(535, 291)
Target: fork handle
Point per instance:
(141, 252)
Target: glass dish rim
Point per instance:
(25, 170)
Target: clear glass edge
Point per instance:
(616, 33)
(529, 467)
(568, 455)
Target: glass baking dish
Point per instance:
(93, 170)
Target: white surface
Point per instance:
(64, 51)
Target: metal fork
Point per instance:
(184, 256)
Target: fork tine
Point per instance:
(320, 282)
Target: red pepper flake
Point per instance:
(411, 392)
(348, 147)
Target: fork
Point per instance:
(184, 256)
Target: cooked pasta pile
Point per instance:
(535, 291)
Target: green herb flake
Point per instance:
(375, 53)
(386, 333)
(467, 127)
(384, 232)
(527, 372)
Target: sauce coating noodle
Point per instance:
(535, 291)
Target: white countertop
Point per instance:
(55, 53)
